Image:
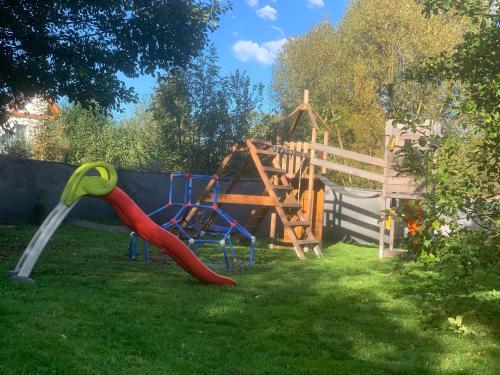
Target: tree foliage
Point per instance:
(192, 120)
(462, 166)
(76, 48)
(352, 71)
(201, 112)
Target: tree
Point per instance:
(462, 166)
(352, 71)
(76, 48)
(201, 112)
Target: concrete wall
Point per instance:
(349, 218)
(29, 189)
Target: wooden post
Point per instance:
(211, 183)
(288, 165)
(388, 135)
(297, 159)
(279, 135)
(391, 233)
(325, 142)
(272, 226)
(272, 230)
(305, 146)
(306, 96)
(310, 186)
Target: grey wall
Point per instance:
(29, 189)
(347, 218)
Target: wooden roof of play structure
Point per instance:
(283, 166)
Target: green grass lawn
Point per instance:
(94, 312)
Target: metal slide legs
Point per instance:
(23, 269)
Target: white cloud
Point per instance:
(315, 3)
(278, 29)
(264, 54)
(253, 3)
(267, 13)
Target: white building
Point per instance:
(24, 123)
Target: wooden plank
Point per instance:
(254, 200)
(296, 120)
(405, 134)
(299, 223)
(402, 180)
(282, 187)
(211, 183)
(323, 124)
(229, 188)
(298, 159)
(305, 150)
(261, 142)
(295, 111)
(407, 189)
(349, 170)
(381, 241)
(307, 242)
(287, 162)
(318, 209)
(291, 205)
(267, 153)
(417, 195)
(272, 229)
(350, 155)
(310, 185)
(273, 170)
(391, 234)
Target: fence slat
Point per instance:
(350, 155)
(350, 170)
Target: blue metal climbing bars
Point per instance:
(199, 232)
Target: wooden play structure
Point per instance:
(394, 186)
(293, 191)
(280, 195)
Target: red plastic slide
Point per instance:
(132, 216)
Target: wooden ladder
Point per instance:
(286, 204)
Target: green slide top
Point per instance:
(79, 184)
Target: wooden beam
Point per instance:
(305, 149)
(294, 112)
(322, 122)
(379, 162)
(383, 196)
(254, 200)
(295, 121)
(313, 119)
(298, 159)
(272, 230)
(310, 186)
(223, 165)
(349, 170)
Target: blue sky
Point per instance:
(251, 34)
